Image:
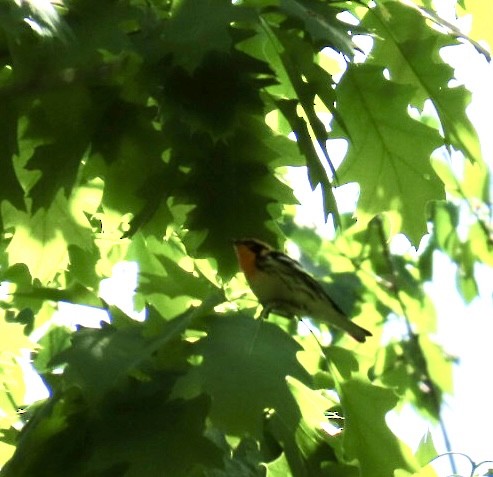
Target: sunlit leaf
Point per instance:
(407, 45)
(321, 23)
(278, 467)
(40, 241)
(480, 12)
(366, 432)
(426, 450)
(389, 152)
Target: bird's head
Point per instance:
(255, 246)
(248, 250)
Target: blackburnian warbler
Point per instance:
(282, 286)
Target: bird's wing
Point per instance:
(295, 276)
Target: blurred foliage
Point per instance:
(155, 132)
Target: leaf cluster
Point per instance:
(153, 133)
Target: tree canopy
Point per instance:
(153, 133)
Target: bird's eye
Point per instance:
(258, 248)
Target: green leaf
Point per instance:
(321, 23)
(403, 367)
(278, 467)
(24, 317)
(62, 120)
(12, 378)
(481, 243)
(216, 98)
(294, 61)
(446, 222)
(131, 147)
(82, 265)
(43, 19)
(197, 28)
(45, 423)
(163, 283)
(51, 344)
(265, 46)
(242, 460)
(12, 340)
(345, 361)
(257, 377)
(308, 81)
(19, 276)
(480, 13)
(233, 190)
(176, 283)
(10, 188)
(426, 450)
(410, 49)
(99, 360)
(75, 294)
(8, 436)
(316, 172)
(40, 241)
(157, 427)
(466, 281)
(366, 433)
(438, 364)
(389, 152)
(128, 435)
(312, 442)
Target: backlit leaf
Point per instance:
(366, 432)
(389, 153)
(410, 49)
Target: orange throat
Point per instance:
(246, 259)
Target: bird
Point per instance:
(284, 287)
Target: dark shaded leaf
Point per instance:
(10, 188)
(99, 360)
(256, 378)
(63, 120)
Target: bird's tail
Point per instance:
(337, 318)
(357, 332)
